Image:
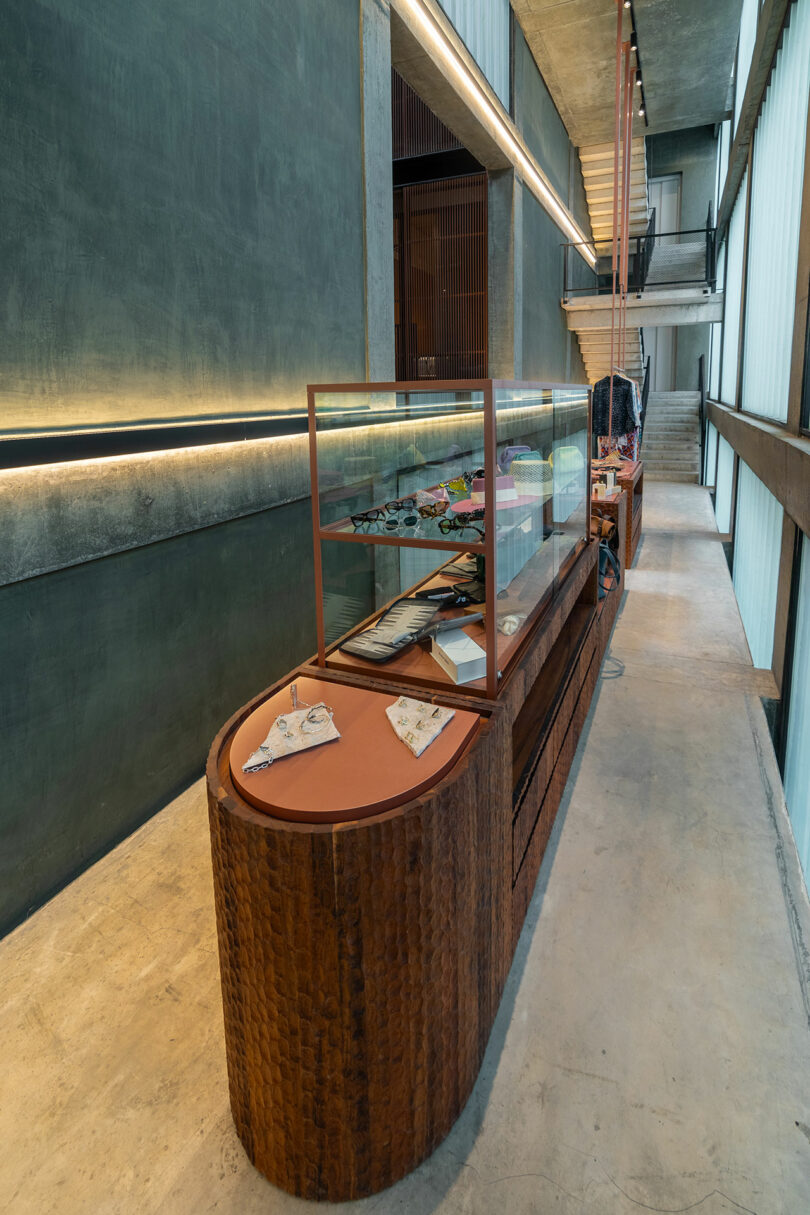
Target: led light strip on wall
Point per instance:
(426, 23)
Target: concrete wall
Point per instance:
(693, 154)
(184, 194)
(549, 352)
(182, 206)
(186, 188)
(122, 671)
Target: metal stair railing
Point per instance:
(702, 414)
(711, 251)
(644, 250)
(645, 392)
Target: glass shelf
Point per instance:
(380, 452)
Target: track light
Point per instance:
(641, 110)
(638, 81)
(627, 3)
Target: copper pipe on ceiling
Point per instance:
(614, 259)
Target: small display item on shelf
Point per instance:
(506, 497)
(460, 656)
(305, 726)
(417, 723)
(405, 622)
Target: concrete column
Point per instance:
(375, 31)
(505, 275)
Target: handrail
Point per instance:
(642, 260)
(701, 389)
(644, 255)
(711, 251)
(573, 244)
(645, 393)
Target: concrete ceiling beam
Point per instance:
(663, 308)
(687, 54)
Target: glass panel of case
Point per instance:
(389, 463)
(400, 477)
(541, 515)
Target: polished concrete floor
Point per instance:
(652, 1052)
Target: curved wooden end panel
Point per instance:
(362, 967)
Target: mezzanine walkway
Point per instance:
(652, 1052)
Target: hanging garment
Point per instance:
(624, 413)
(626, 445)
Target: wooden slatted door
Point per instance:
(440, 267)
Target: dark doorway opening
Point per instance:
(440, 247)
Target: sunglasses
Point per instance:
(367, 516)
(460, 523)
(392, 523)
(431, 509)
(400, 504)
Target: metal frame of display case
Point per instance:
(488, 388)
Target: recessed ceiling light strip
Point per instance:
(499, 125)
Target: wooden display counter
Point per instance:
(363, 960)
(631, 479)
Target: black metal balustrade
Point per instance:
(702, 413)
(645, 394)
(640, 255)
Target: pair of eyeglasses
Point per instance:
(400, 504)
(395, 521)
(367, 516)
(459, 524)
(431, 509)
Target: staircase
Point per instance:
(672, 265)
(670, 446)
(595, 347)
(597, 171)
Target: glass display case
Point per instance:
(470, 497)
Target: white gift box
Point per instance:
(460, 656)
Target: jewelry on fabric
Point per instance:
(304, 727)
(416, 723)
(317, 719)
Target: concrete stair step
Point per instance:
(677, 454)
(682, 478)
(686, 438)
(663, 460)
(595, 151)
(599, 345)
(680, 419)
(666, 397)
(678, 415)
(671, 441)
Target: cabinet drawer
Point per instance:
(534, 793)
(532, 857)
